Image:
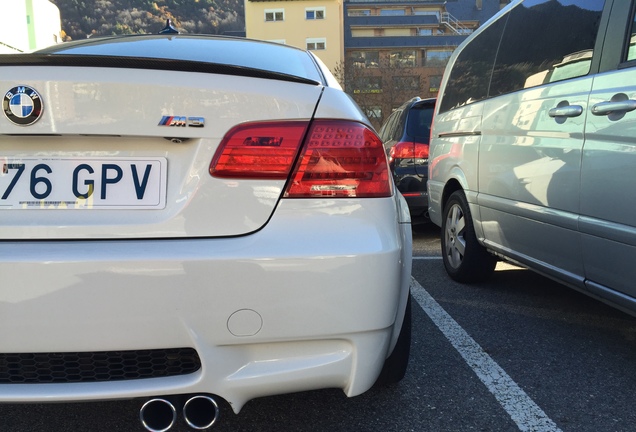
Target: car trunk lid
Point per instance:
(125, 152)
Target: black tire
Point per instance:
(395, 365)
(466, 261)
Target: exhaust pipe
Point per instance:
(158, 415)
(200, 412)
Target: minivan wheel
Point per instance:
(465, 259)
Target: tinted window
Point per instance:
(399, 125)
(546, 41)
(631, 52)
(386, 131)
(419, 124)
(470, 76)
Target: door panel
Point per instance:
(530, 155)
(608, 183)
(529, 167)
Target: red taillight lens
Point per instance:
(409, 150)
(340, 159)
(259, 150)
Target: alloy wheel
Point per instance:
(455, 243)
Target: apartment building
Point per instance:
(315, 25)
(29, 25)
(396, 49)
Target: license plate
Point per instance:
(83, 183)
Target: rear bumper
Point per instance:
(310, 301)
(413, 187)
(418, 205)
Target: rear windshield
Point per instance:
(419, 123)
(215, 50)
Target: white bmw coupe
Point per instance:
(191, 219)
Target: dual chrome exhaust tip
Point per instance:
(160, 414)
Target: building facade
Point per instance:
(29, 25)
(315, 25)
(396, 49)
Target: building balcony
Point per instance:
(402, 42)
(381, 21)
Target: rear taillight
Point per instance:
(409, 150)
(259, 150)
(339, 158)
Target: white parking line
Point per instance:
(523, 411)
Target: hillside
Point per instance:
(86, 18)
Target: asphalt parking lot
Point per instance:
(517, 353)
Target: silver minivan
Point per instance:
(533, 147)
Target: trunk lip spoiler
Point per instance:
(150, 63)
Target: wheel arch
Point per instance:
(450, 187)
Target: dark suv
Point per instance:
(406, 135)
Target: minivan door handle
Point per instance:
(566, 111)
(609, 107)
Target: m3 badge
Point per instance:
(181, 121)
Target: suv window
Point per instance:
(419, 123)
(546, 41)
(398, 129)
(470, 76)
(387, 128)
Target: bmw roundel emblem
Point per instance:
(22, 105)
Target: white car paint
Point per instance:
(275, 294)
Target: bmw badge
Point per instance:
(22, 105)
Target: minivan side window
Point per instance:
(631, 51)
(546, 41)
(470, 76)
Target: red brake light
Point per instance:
(409, 150)
(340, 159)
(259, 150)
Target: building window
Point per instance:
(365, 59)
(392, 12)
(434, 81)
(274, 14)
(367, 85)
(397, 32)
(315, 13)
(362, 32)
(426, 12)
(402, 59)
(358, 12)
(314, 44)
(373, 112)
(406, 82)
(436, 58)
